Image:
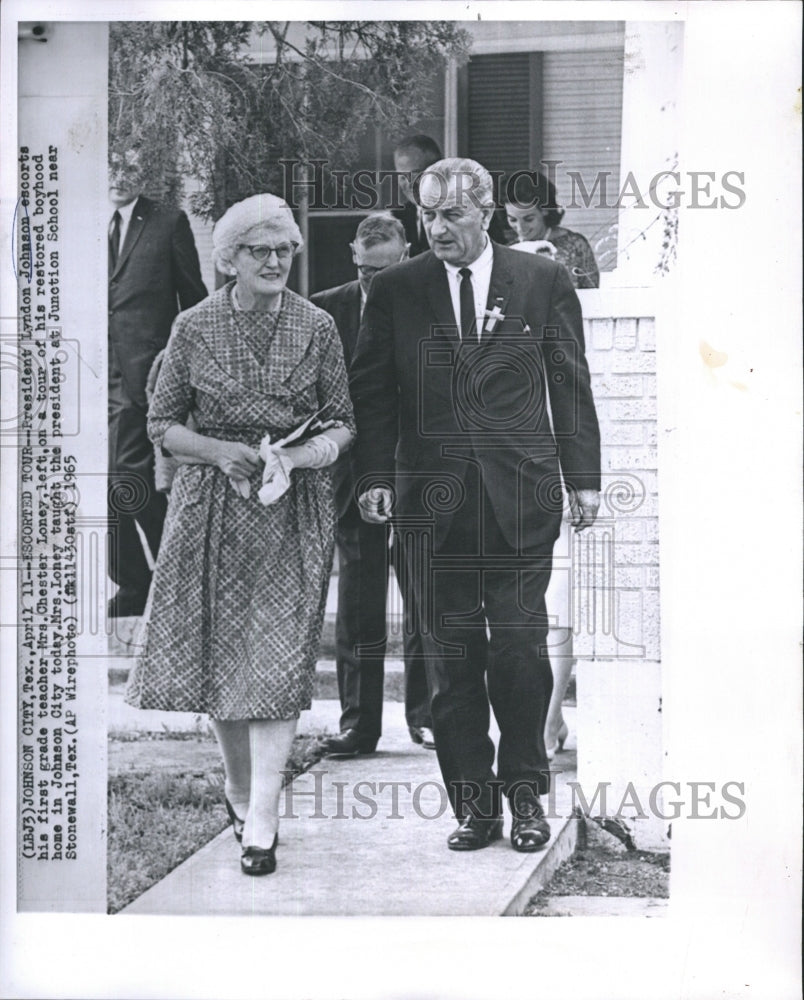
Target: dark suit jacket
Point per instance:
(409, 217)
(157, 275)
(427, 404)
(343, 304)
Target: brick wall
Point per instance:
(615, 567)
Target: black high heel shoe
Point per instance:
(237, 823)
(258, 860)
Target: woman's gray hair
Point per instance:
(259, 211)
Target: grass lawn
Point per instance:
(167, 806)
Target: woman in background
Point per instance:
(533, 213)
(240, 584)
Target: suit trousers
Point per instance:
(361, 632)
(484, 629)
(132, 495)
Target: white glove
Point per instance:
(316, 453)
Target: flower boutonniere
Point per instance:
(493, 316)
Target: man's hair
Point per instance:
(379, 227)
(474, 180)
(428, 149)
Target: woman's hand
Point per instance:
(235, 459)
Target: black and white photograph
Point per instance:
(401, 465)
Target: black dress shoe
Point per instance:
(530, 831)
(126, 604)
(348, 744)
(422, 735)
(237, 823)
(258, 860)
(474, 833)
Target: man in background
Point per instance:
(153, 274)
(411, 157)
(363, 552)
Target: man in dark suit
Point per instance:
(412, 156)
(153, 275)
(472, 398)
(363, 554)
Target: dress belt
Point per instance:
(245, 435)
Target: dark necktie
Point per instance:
(114, 239)
(467, 302)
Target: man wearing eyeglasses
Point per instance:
(153, 274)
(363, 553)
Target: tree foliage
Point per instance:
(224, 102)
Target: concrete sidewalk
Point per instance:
(356, 840)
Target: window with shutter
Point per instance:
(502, 115)
(518, 109)
(582, 126)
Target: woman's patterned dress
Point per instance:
(239, 589)
(574, 252)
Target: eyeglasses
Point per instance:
(261, 253)
(367, 270)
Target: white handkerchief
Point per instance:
(275, 475)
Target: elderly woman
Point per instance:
(241, 580)
(533, 213)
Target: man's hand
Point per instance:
(583, 507)
(375, 505)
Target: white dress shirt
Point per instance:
(481, 280)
